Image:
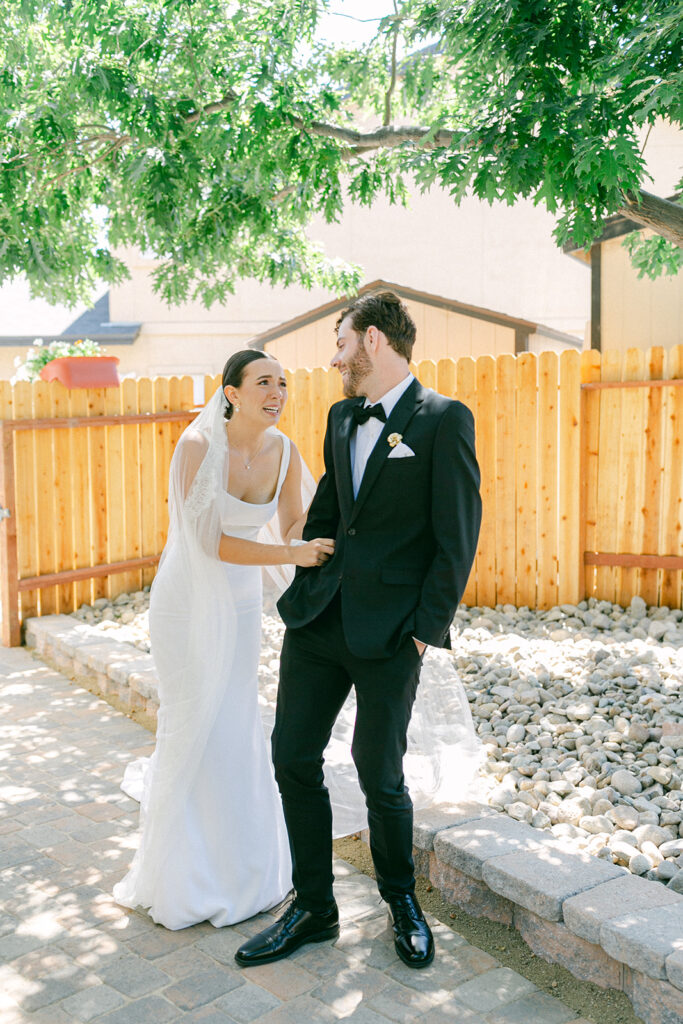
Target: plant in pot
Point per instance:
(77, 364)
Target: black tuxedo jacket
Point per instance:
(405, 546)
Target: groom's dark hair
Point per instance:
(387, 313)
(233, 371)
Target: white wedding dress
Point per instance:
(213, 844)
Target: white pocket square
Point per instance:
(401, 451)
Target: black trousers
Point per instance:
(317, 671)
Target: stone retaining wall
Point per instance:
(591, 917)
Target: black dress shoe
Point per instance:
(413, 940)
(295, 928)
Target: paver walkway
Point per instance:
(68, 953)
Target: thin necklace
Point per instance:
(247, 465)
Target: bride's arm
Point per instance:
(252, 552)
(290, 511)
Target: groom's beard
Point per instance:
(357, 369)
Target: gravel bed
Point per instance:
(580, 709)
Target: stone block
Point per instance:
(674, 968)
(442, 816)
(542, 879)
(554, 942)
(151, 1010)
(644, 939)
(92, 1002)
(144, 682)
(472, 895)
(97, 656)
(468, 847)
(585, 913)
(656, 1002)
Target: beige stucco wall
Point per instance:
(440, 333)
(638, 313)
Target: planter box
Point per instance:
(83, 371)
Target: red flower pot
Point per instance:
(83, 371)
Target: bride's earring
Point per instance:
(236, 408)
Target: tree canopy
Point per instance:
(208, 133)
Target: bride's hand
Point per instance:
(313, 552)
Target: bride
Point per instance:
(213, 842)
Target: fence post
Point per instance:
(9, 584)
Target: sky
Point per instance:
(353, 21)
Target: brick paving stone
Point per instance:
(447, 971)
(353, 984)
(453, 1012)
(222, 945)
(248, 1002)
(538, 1007)
(325, 961)
(305, 1010)
(203, 987)
(42, 836)
(182, 962)
(132, 975)
(207, 1015)
(161, 941)
(283, 978)
(92, 1002)
(150, 1010)
(404, 1004)
(493, 989)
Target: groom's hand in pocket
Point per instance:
(420, 646)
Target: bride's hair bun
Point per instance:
(233, 372)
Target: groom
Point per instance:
(401, 496)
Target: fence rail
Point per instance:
(581, 457)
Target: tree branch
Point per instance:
(662, 215)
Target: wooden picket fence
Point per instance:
(581, 458)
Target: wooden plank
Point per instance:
(44, 482)
(654, 471)
(303, 420)
(485, 417)
(674, 562)
(71, 422)
(80, 496)
(9, 569)
(631, 475)
(88, 572)
(211, 385)
(130, 455)
(505, 518)
(98, 488)
(61, 449)
(548, 512)
(569, 470)
(287, 422)
(526, 476)
(25, 494)
(625, 385)
(115, 504)
(590, 436)
(466, 393)
(147, 481)
(672, 519)
(608, 473)
(162, 462)
(426, 373)
(318, 420)
(446, 381)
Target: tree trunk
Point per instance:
(661, 215)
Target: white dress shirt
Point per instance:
(365, 436)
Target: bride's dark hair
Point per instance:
(233, 371)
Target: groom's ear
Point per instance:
(372, 339)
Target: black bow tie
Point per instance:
(362, 413)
